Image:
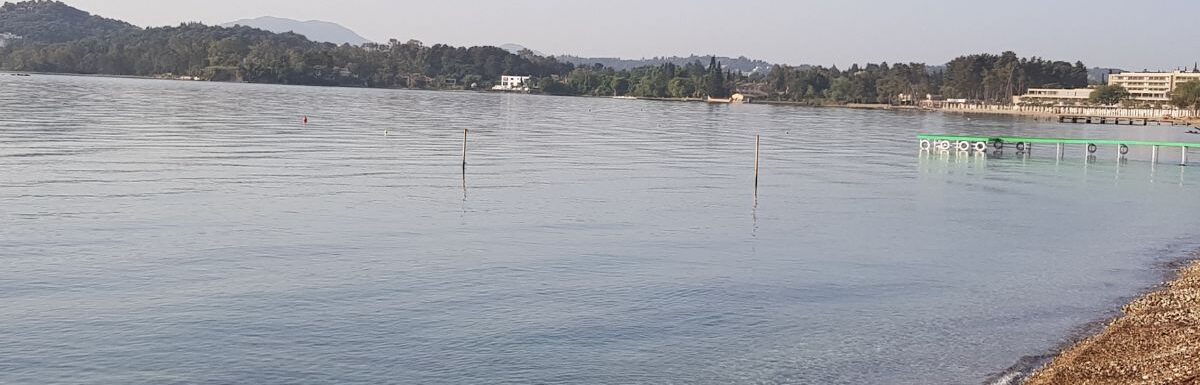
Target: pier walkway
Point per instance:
(980, 144)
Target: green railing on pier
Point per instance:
(1030, 140)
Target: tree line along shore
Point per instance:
(49, 36)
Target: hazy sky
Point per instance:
(1153, 34)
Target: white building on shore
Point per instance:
(1152, 86)
(513, 83)
(1054, 96)
(1148, 87)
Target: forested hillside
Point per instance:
(47, 21)
(94, 45)
(58, 38)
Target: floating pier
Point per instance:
(1025, 144)
(1119, 120)
(1105, 120)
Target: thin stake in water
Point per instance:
(757, 143)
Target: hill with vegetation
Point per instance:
(64, 39)
(315, 30)
(54, 22)
(243, 53)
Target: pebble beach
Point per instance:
(1155, 342)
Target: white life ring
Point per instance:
(981, 146)
(925, 145)
(964, 146)
(944, 145)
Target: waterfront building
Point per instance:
(1054, 96)
(1152, 86)
(1149, 87)
(513, 83)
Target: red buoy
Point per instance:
(305, 119)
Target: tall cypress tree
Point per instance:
(714, 84)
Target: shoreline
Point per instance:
(1155, 340)
(1035, 115)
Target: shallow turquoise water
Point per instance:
(159, 232)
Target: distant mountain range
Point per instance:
(314, 30)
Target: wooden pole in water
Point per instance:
(757, 144)
(464, 162)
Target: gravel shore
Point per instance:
(1157, 341)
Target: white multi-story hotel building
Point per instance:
(1152, 86)
(513, 83)
(1054, 96)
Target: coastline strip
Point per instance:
(1157, 341)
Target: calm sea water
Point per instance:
(159, 232)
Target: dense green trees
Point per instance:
(739, 64)
(985, 77)
(668, 80)
(58, 38)
(874, 83)
(995, 78)
(252, 55)
(714, 80)
(55, 22)
(1109, 95)
(1187, 95)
